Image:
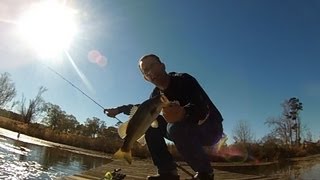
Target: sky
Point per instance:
(249, 55)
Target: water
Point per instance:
(30, 158)
(312, 172)
(22, 160)
(302, 170)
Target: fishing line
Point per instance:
(119, 122)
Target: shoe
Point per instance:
(166, 176)
(204, 176)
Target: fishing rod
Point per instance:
(119, 122)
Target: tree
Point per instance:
(110, 133)
(7, 89)
(34, 108)
(295, 106)
(102, 127)
(270, 139)
(242, 132)
(93, 126)
(80, 129)
(309, 136)
(69, 124)
(288, 125)
(281, 129)
(58, 119)
(53, 115)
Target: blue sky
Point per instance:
(249, 55)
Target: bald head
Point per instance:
(150, 58)
(153, 69)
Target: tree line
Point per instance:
(51, 115)
(287, 129)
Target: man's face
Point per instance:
(152, 70)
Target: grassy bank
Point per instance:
(108, 144)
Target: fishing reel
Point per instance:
(115, 175)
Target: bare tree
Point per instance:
(7, 89)
(287, 128)
(270, 139)
(34, 108)
(242, 132)
(281, 129)
(309, 136)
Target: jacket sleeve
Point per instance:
(197, 106)
(125, 109)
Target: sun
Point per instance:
(49, 27)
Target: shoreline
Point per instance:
(32, 140)
(36, 141)
(140, 168)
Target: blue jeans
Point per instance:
(189, 139)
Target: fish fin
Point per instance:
(155, 124)
(132, 111)
(142, 140)
(122, 129)
(123, 155)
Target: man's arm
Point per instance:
(197, 108)
(113, 112)
(195, 102)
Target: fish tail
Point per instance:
(123, 155)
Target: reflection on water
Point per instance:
(312, 172)
(20, 160)
(303, 169)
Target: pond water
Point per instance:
(25, 160)
(30, 158)
(302, 170)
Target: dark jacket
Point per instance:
(185, 89)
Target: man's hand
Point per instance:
(112, 112)
(173, 112)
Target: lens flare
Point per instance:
(93, 55)
(102, 61)
(81, 75)
(96, 57)
(233, 153)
